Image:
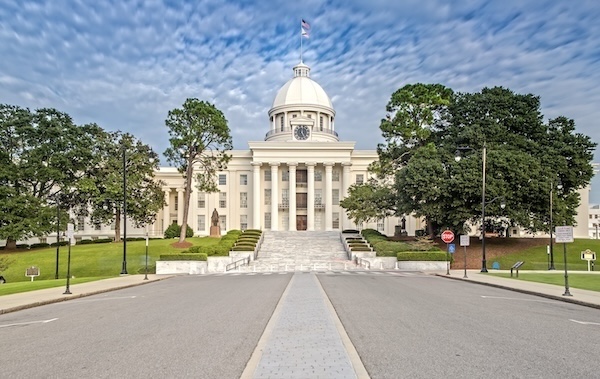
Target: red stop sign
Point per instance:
(447, 236)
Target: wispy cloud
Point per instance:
(125, 64)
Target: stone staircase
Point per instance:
(301, 251)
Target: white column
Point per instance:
(292, 194)
(256, 195)
(345, 185)
(166, 209)
(274, 195)
(328, 196)
(193, 211)
(180, 193)
(310, 219)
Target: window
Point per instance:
(321, 123)
(243, 199)
(176, 202)
(43, 240)
(285, 175)
(335, 175)
(267, 196)
(336, 197)
(243, 180)
(80, 223)
(243, 222)
(222, 199)
(285, 197)
(380, 225)
(360, 178)
(318, 176)
(318, 197)
(336, 220)
(294, 115)
(201, 223)
(267, 220)
(223, 222)
(97, 226)
(201, 200)
(267, 175)
(302, 176)
(222, 179)
(282, 119)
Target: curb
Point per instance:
(78, 296)
(528, 292)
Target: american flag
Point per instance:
(305, 28)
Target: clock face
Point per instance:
(301, 132)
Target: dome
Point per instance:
(302, 90)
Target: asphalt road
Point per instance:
(430, 327)
(403, 326)
(184, 327)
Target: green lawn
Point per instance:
(91, 261)
(536, 258)
(576, 280)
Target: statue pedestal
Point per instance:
(215, 231)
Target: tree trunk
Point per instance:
(11, 244)
(186, 200)
(118, 225)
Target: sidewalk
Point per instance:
(18, 301)
(550, 291)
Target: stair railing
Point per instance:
(237, 264)
(363, 263)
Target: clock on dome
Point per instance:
(301, 132)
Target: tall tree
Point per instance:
(43, 157)
(200, 138)
(103, 184)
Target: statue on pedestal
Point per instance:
(215, 229)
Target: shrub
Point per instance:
(103, 240)
(183, 257)
(242, 248)
(348, 231)
(84, 242)
(39, 245)
(174, 230)
(22, 246)
(253, 231)
(422, 256)
(61, 243)
(360, 248)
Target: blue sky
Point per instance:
(124, 64)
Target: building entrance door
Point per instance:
(301, 221)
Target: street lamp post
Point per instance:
(483, 203)
(57, 236)
(596, 225)
(124, 269)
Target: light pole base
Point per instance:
(567, 293)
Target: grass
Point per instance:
(583, 281)
(90, 261)
(536, 258)
(19, 287)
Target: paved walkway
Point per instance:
(304, 338)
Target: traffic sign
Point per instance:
(464, 240)
(447, 236)
(451, 248)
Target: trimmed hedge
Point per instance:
(242, 248)
(84, 242)
(61, 243)
(354, 231)
(183, 257)
(422, 256)
(39, 245)
(360, 248)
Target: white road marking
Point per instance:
(514, 298)
(585, 322)
(29, 323)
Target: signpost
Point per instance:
(465, 241)
(588, 256)
(564, 234)
(448, 237)
(32, 272)
(70, 234)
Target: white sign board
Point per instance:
(564, 234)
(70, 231)
(588, 255)
(464, 240)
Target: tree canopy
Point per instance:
(525, 159)
(199, 139)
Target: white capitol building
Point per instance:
(293, 180)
